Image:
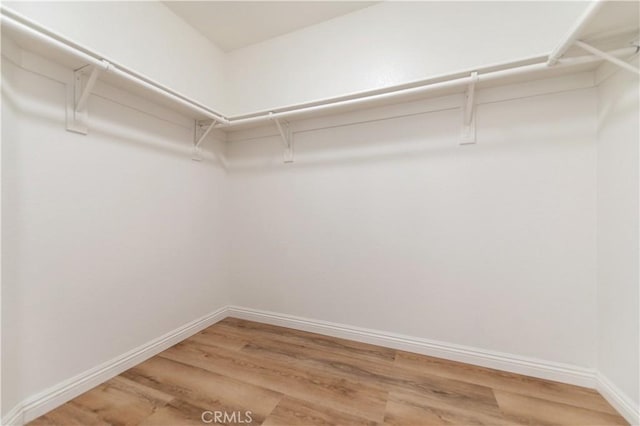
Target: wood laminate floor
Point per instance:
(289, 377)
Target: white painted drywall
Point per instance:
(618, 233)
(234, 24)
(144, 36)
(391, 43)
(10, 313)
(100, 233)
(391, 225)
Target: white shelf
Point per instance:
(608, 25)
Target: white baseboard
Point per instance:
(501, 361)
(13, 417)
(621, 402)
(57, 395)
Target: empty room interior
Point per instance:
(320, 213)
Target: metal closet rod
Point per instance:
(32, 29)
(447, 84)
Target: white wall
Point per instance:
(391, 225)
(100, 232)
(391, 43)
(618, 233)
(9, 310)
(145, 36)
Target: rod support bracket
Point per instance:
(78, 92)
(468, 134)
(607, 57)
(287, 138)
(201, 130)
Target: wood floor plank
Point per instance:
(495, 379)
(536, 411)
(445, 393)
(181, 413)
(117, 401)
(384, 376)
(323, 361)
(292, 411)
(173, 416)
(204, 389)
(354, 398)
(252, 329)
(409, 408)
(70, 414)
(216, 337)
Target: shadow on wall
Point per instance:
(626, 105)
(381, 140)
(429, 136)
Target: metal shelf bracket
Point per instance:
(287, 138)
(468, 134)
(607, 57)
(201, 131)
(78, 95)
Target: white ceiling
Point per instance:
(234, 24)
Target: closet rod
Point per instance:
(31, 29)
(458, 82)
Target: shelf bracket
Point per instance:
(287, 138)
(201, 131)
(607, 57)
(468, 134)
(78, 95)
